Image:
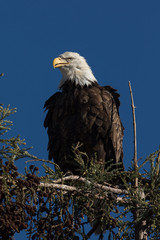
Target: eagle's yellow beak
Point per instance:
(59, 62)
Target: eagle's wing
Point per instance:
(111, 103)
(99, 113)
(54, 113)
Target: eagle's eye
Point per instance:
(69, 58)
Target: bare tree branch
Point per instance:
(134, 130)
(74, 189)
(140, 232)
(82, 179)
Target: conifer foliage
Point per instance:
(57, 206)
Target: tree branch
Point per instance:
(82, 179)
(140, 232)
(135, 135)
(67, 188)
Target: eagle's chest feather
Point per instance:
(84, 113)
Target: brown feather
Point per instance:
(88, 115)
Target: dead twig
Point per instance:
(135, 135)
(140, 231)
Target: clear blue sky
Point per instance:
(119, 39)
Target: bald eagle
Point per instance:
(82, 112)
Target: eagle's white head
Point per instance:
(74, 68)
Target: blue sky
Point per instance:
(119, 39)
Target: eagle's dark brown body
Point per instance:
(88, 115)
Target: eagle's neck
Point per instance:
(79, 77)
(70, 87)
